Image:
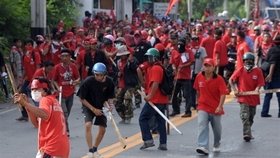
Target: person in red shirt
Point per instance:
(220, 52)
(242, 48)
(154, 95)
(247, 78)
(80, 52)
(46, 71)
(208, 43)
(263, 49)
(211, 91)
(31, 62)
(67, 76)
(181, 61)
(48, 118)
(127, 81)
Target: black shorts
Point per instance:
(99, 120)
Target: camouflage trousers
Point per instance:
(137, 96)
(124, 104)
(247, 114)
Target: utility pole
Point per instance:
(38, 17)
(247, 8)
(120, 10)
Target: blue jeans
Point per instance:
(275, 83)
(146, 114)
(204, 119)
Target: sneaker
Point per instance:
(22, 118)
(187, 115)
(216, 149)
(146, 145)
(89, 155)
(202, 150)
(96, 155)
(162, 147)
(247, 138)
(266, 115)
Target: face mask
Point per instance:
(248, 65)
(151, 59)
(36, 96)
(118, 45)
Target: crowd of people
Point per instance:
(109, 61)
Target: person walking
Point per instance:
(48, 118)
(154, 95)
(211, 92)
(247, 78)
(93, 93)
(127, 80)
(273, 77)
(67, 76)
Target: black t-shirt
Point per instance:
(90, 61)
(96, 93)
(140, 50)
(273, 57)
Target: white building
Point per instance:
(124, 7)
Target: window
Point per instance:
(95, 4)
(107, 4)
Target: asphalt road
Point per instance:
(19, 139)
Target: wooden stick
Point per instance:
(116, 128)
(12, 78)
(160, 113)
(13, 81)
(259, 92)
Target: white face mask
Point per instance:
(36, 96)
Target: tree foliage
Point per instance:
(235, 7)
(15, 17)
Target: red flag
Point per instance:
(170, 5)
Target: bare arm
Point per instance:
(153, 91)
(96, 111)
(33, 111)
(141, 77)
(271, 70)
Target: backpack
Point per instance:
(166, 86)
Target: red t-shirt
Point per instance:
(155, 74)
(30, 63)
(144, 68)
(40, 73)
(221, 49)
(121, 65)
(179, 59)
(210, 92)
(63, 76)
(242, 48)
(52, 134)
(226, 38)
(80, 60)
(208, 43)
(248, 81)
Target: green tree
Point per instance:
(235, 7)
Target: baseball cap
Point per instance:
(36, 84)
(209, 61)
